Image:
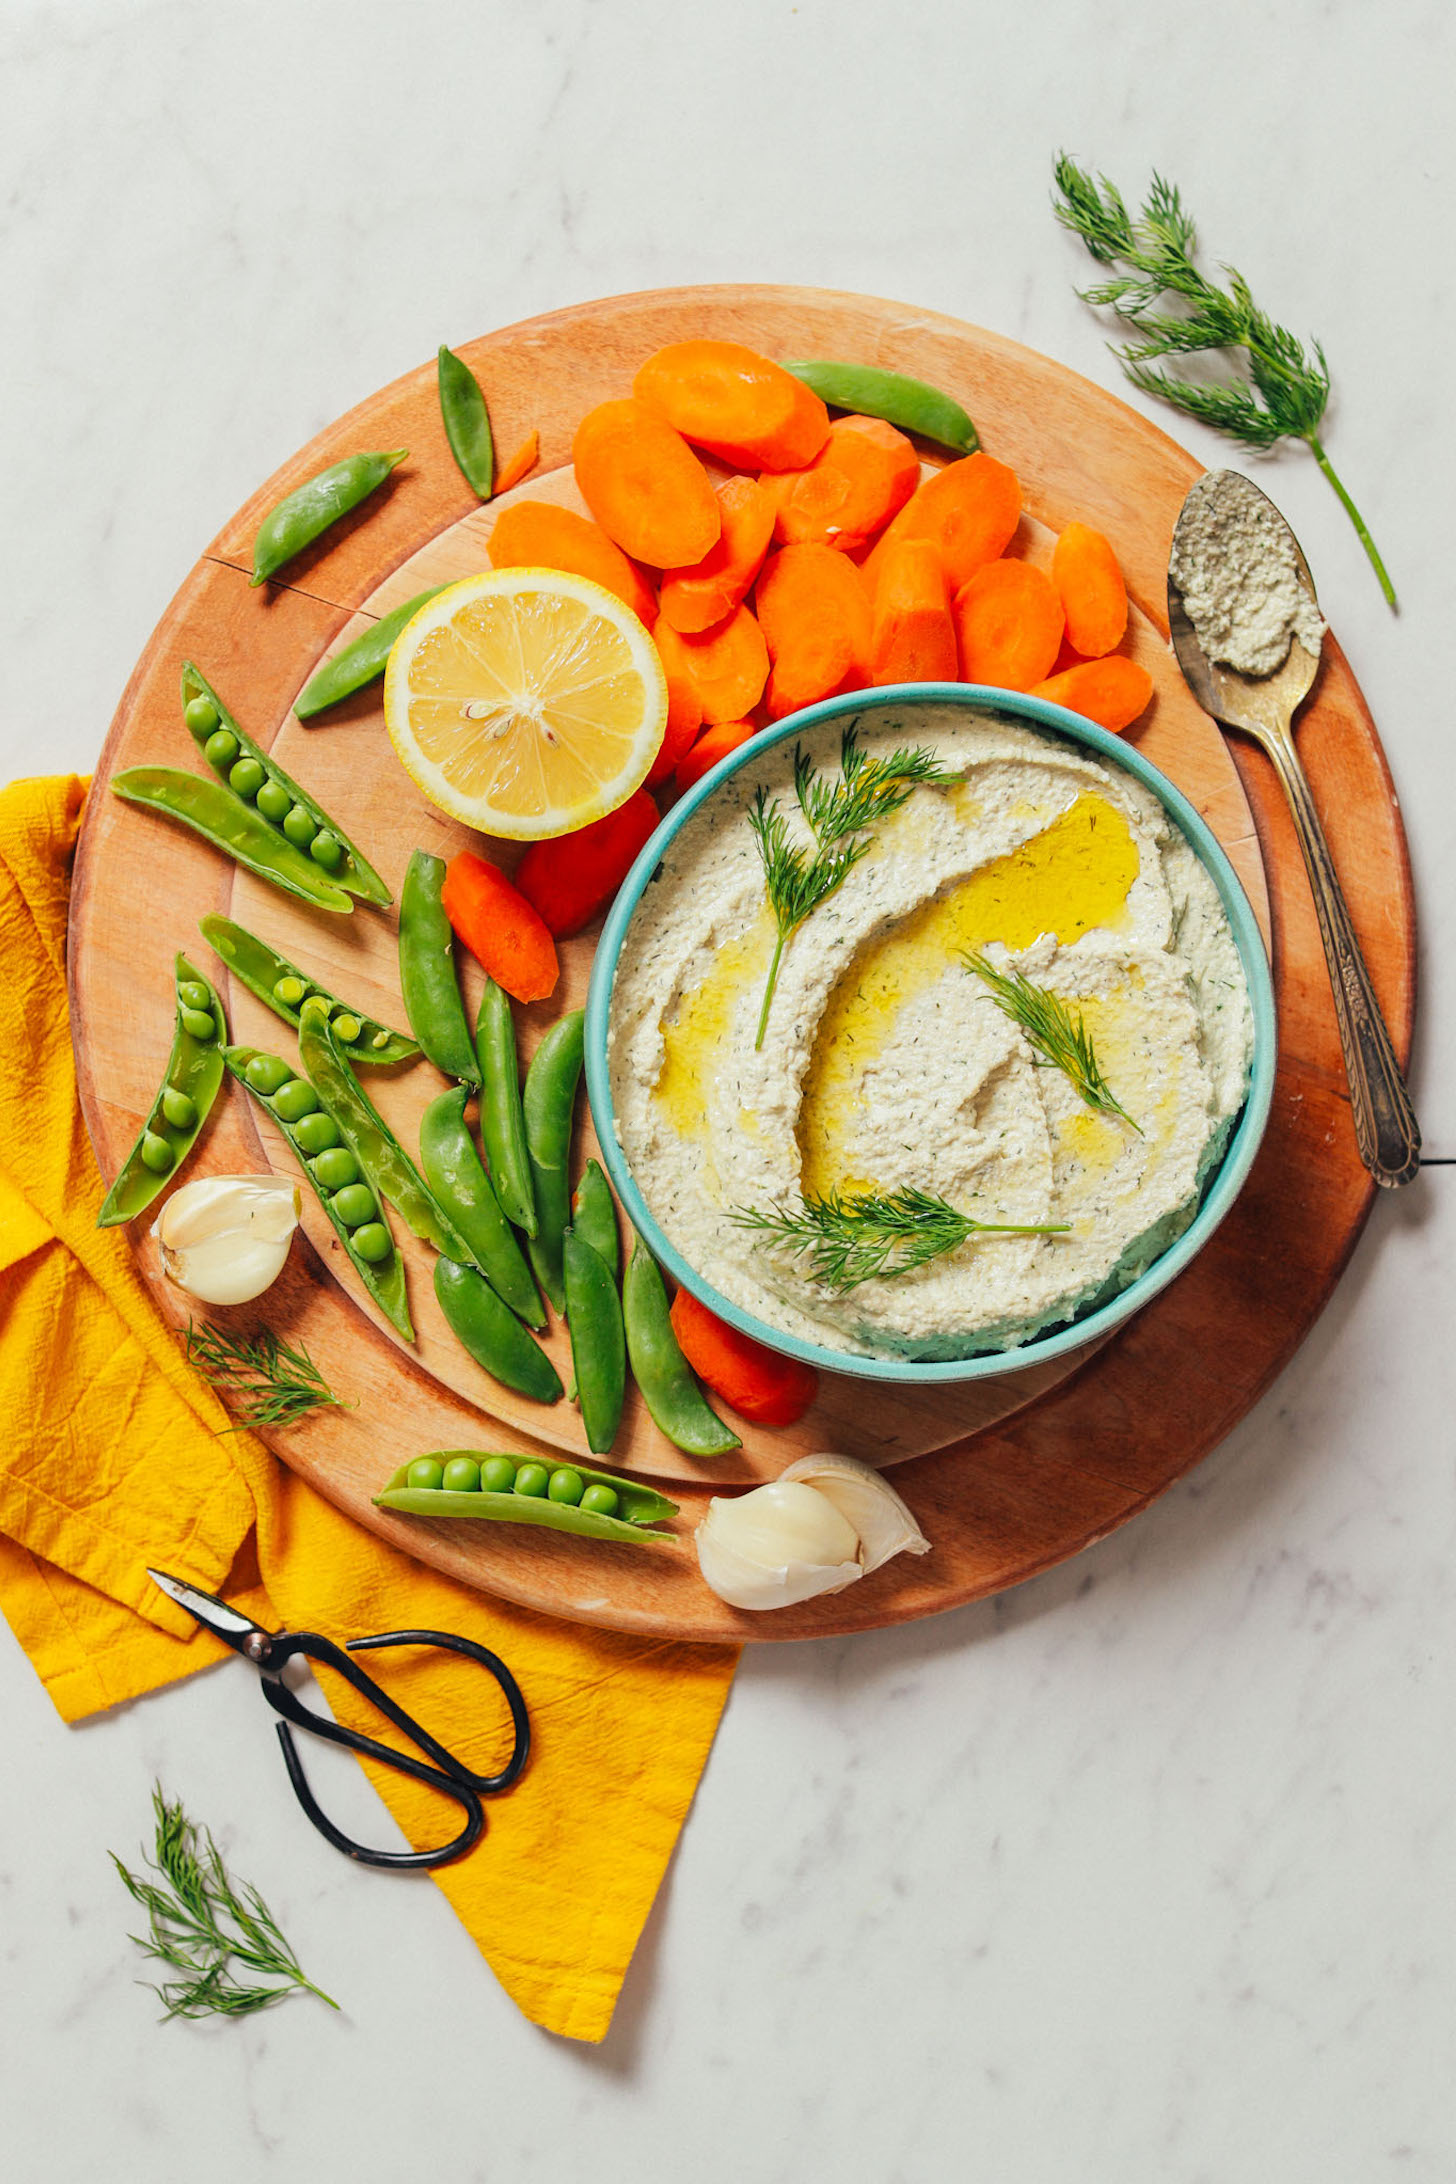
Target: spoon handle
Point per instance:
(1386, 1130)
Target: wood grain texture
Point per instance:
(1035, 1469)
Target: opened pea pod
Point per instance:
(189, 1086)
(225, 822)
(514, 1490)
(283, 987)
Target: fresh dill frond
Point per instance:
(796, 882)
(1287, 388)
(1053, 1031)
(201, 1924)
(869, 1235)
(269, 1382)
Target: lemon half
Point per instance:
(525, 702)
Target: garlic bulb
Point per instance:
(224, 1238)
(816, 1529)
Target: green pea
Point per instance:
(274, 801)
(497, 1475)
(462, 1475)
(335, 1168)
(533, 1479)
(246, 778)
(424, 1471)
(600, 1501)
(179, 1110)
(266, 1074)
(157, 1155)
(316, 1133)
(290, 991)
(193, 994)
(296, 1100)
(220, 749)
(373, 1242)
(199, 1022)
(326, 849)
(347, 1027)
(355, 1205)
(380, 1039)
(201, 716)
(566, 1486)
(300, 826)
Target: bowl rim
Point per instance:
(1220, 1189)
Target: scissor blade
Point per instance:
(228, 1623)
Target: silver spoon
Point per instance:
(1263, 706)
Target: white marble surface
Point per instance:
(1141, 1875)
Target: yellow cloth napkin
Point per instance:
(116, 1454)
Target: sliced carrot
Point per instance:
(1008, 625)
(861, 477)
(727, 666)
(1093, 595)
(735, 403)
(694, 599)
(500, 927)
(520, 464)
(569, 878)
(970, 509)
(914, 638)
(1113, 691)
(712, 744)
(684, 719)
(814, 610)
(644, 485)
(752, 1379)
(538, 535)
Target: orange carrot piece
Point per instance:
(1093, 595)
(1008, 624)
(735, 403)
(569, 878)
(970, 508)
(499, 927)
(644, 485)
(1113, 691)
(524, 460)
(914, 638)
(539, 535)
(712, 744)
(694, 599)
(727, 666)
(752, 1379)
(814, 609)
(861, 477)
(684, 717)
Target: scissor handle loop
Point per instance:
(488, 1785)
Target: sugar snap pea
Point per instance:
(467, 422)
(255, 775)
(427, 972)
(634, 1509)
(305, 513)
(360, 663)
(460, 1184)
(186, 1093)
(502, 1119)
(594, 1215)
(492, 1334)
(368, 1243)
(549, 1105)
(598, 1347)
(236, 828)
(659, 1368)
(284, 988)
(908, 403)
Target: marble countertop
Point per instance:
(1137, 1875)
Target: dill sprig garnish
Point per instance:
(201, 1924)
(269, 1382)
(1053, 1031)
(867, 1235)
(1287, 389)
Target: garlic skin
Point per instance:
(224, 1238)
(865, 1500)
(778, 1545)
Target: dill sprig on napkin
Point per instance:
(866, 1235)
(1055, 1032)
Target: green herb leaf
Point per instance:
(870, 1235)
(1054, 1031)
(269, 1382)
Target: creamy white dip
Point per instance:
(1233, 561)
(886, 1062)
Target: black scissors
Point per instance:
(270, 1651)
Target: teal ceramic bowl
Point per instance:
(1222, 1185)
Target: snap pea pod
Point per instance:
(598, 1346)
(460, 1184)
(908, 403)
(305, 513)
(467, 422)
(633, 1512)
(284, 988)
(659, 1368)
(360, 663)
(492, 1334)
(318, 1145)
(257, 780)
(188, 1089)
(232, 826)
(549, 1105)
(502, 1119)
(427, 971)
(594, 1216)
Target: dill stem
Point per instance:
(768, 991)
(1356, 518)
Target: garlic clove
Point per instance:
(862, 1496)
(776, 1546)
(224, 1238)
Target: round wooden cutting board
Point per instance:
(1006, 1475)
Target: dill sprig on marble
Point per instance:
(869, 1235)
(268, 1381)
(1054, 1031)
